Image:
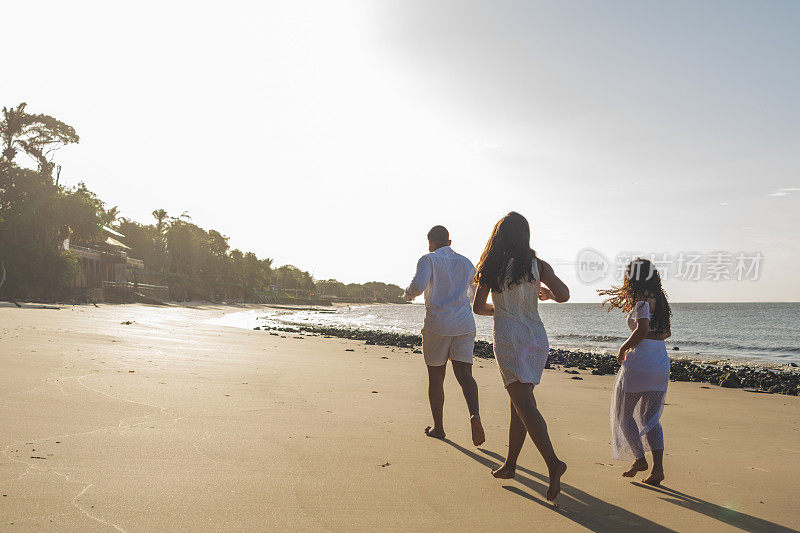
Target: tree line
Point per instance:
(37, 213)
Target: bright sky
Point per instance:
(332, 135)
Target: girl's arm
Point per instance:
(479, 305)
(641, 331)
(556, 289)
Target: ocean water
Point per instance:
(759, 332)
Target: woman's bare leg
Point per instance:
(522, 397)
(516, 438)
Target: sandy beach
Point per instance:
(171, 423)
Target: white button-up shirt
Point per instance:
(446, 278)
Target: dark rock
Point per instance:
(784, 382)
(349, 350)
(577, 377)
(675, 348)
(730, 381)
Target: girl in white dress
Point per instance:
(641, 385)
(510, 270)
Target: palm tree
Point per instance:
(160, 215)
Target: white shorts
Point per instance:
(437, 349)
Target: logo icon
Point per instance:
(592, 266)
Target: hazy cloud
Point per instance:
(784, 192)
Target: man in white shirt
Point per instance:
(445, 278)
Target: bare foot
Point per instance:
(639, 465)
(478, 436)
(555, 480)
(506, 471)
(655, 478)
(436, 433)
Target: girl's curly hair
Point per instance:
(641, 281)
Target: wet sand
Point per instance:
(170, 423)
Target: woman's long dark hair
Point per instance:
(508, 257)
(642, 280)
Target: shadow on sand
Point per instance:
(598, 515)
(725, 515)
(574, 504)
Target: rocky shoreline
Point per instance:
(749, 377)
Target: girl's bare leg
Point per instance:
(516, 438)
(655, 440)
(631, 432)
(522, 397)
(657, 473)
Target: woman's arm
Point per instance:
(637, 335)
(557, 290)
(479, 305)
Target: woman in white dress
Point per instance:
(510, 270)
(641, 385)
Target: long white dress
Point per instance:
(520, 340)
(639, 394)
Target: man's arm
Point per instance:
(421, 279)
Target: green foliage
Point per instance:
(36, 214)
(36, 272)
(38, 136)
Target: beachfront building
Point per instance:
(106, 265)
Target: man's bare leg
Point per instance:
(469, 387)
(522, 397)
(516, 438)
(436, 398)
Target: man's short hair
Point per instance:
(439, 235)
